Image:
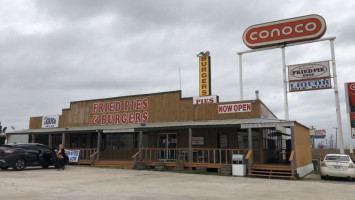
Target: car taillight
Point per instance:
(351, 165)
(9, 151)
(322, 164)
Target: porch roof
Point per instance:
(240, 123)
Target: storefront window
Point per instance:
(223, 140)
(243, 139)
(56, 140)
(41, 139)
(116, 141)
(78, 141)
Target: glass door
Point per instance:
(167, 144)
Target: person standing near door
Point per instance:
(61, 157)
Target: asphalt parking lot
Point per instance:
(91, 183)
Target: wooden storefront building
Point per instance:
(166, 129)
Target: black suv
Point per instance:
(19, 156)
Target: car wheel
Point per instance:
(20, 164)
(4, 168)
(44, 166)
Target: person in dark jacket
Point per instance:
(61, 157)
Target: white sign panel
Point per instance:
(314, 84)
(73, 155)
(205, 99)
(308, 71)
(50, 121)
(234, 108)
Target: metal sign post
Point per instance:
(331, 39)
(285, 83)
(336, 94)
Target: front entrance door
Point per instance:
(167, 143)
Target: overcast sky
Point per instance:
(55, 52)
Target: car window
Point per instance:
(337, 158)
(44, 149)
(29, 147)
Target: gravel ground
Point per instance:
(92, 183)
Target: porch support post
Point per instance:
(140, 143)
(261, 145)
(50, 141)
(250, 147)
(63, 139)
(293, 162)
(190, 146)
(33, 139)
(98, 145)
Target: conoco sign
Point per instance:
(291, 30)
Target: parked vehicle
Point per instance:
(337, 165)
(19, 156)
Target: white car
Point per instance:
(337, 165)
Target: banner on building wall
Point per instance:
(309, 76)
(234, 108)
(73, 155)
(51, 121)
(205, 75)
(128, 111)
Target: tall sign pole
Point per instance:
(240, 77)
(285, 83)
(336, 94)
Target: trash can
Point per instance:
(238, 165)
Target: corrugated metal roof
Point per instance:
(244, 123)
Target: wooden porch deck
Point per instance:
(257, 170)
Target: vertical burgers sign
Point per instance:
(284, 31)
(205, 74)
